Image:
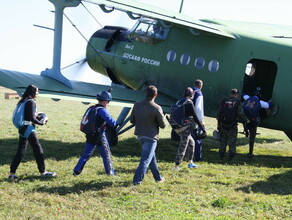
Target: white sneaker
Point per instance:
(48, 174)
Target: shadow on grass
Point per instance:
(78, 188)
(166, 151)
(280, 184)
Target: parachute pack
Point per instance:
(251, 108)
(228, 112)
(177, 118)
(88, 123)
(18, 115)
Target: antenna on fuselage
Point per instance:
(55, 71)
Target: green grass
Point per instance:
(241, 189)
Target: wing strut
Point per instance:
(55, 71)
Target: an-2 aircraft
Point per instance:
(171, 51)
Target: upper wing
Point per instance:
(134, 8)
(81, 91)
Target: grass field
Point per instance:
(239, 189)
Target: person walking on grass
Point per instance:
(28, 134)
(187, 142)
(229, 113)
(94, 129)
(147, 116)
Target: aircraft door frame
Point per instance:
(260, 75)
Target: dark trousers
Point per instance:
(198, 150)
(22, 148)
(252, 128)
(228, 136)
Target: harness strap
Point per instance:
(27, 123)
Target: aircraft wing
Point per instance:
(81, 91)
(135, 8)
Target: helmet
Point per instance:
(189, 92)
(200, 134)
(42, 117)
(104, 95)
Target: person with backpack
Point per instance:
(198, 101)
(229, 113)
(94, 124)
(251, 108)
(27, 132)
(186, 140)
(148, 117)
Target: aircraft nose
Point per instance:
(100, 52)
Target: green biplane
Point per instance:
(171, 50)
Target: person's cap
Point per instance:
(189, 92)
(104, 95)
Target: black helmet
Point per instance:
(42, 117)
(200, 134)
(104, 95)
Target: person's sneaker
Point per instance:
(136, 184)
(75, 173)
(49, 174)
(161, 181)
(12, 177)
(192, 165)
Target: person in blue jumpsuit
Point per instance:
(99, 139)
(251, 108)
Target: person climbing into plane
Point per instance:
(251, 108)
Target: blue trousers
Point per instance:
(105, 153)
(148, 158)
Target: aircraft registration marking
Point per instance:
(142, 59)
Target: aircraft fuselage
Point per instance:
(172, 58)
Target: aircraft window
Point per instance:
(249, 70)
(185, 59)
(148, 31)
(171, 56)
(213, 66)
(199, 63)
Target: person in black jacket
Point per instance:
(27, 133)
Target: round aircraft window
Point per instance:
(171, 56)
(185, 59)
(199, 63)
(213, 66)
